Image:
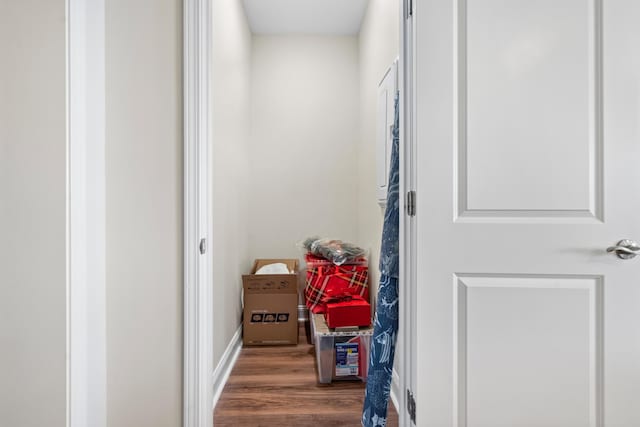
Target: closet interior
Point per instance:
(302, 96)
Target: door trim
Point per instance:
(86, 389)
(198, 292)
(407, 244)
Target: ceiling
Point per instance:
(325, 17)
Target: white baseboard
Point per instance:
(227, 361)
(395, 390)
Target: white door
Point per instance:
(528, 168)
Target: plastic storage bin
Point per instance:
(340, 355)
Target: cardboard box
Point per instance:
(271, 305)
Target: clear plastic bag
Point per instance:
(334, 250)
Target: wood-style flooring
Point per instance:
(277, 386)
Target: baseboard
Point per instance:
(228, 359)
(395, 390)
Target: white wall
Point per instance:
(144, 212)
(32, 214)
(378, 47)
(231, 168)
(304, 142)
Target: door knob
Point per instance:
(625, 249)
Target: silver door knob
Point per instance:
(625, 249)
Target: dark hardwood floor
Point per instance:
(277, 386)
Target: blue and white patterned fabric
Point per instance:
(389, 253)
(385, 329)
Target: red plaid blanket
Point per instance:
(325, 279)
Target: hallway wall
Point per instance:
(32, 214)
(230, 160)
(144, 212)
(304, 139)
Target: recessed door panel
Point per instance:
(528, 351)
(528, 108)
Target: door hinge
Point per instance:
(411, 406)
(203, 246)
(411, 203)
(409, 9)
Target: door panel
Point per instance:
(512, 363)
(529, 106)
(527, 135)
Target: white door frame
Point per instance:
(407, 281)
(198, 292)
(85, 214)
(198, 264)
